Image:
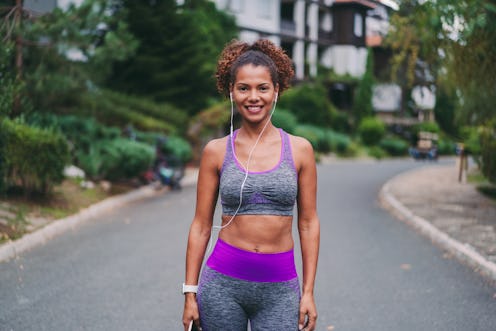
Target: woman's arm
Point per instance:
(308, 228)
(200, 229)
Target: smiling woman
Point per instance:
(260, 172)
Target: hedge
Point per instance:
(371, 131)
(34, 158)
(116, 159)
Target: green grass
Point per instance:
(66, 199)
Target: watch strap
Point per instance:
(190, 288)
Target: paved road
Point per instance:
(123, 271)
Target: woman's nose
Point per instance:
(254, 95)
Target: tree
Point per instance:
(457, 39)
(362, 104)
(65, 52)
(176, 59)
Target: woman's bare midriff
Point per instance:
(259, 233)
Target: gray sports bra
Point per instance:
(271, 192)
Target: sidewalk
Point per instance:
(12, 249)
(454, 215)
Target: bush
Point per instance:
(285, 120)
(371, 131)
(34, 158)
(394, 146)
(116, 159)
(488, 153)
(309, 103)
(111, 112)
(377, 152)
(325, 140)
(446, 147)
(179, 148)
(312, 133)
(340, 122)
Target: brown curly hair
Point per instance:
(262, 52)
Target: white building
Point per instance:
(331, 33)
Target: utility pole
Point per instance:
(16, 110)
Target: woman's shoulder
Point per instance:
(300, 143)
(215, 149)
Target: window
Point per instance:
(358, 25)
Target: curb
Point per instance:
(465, 253)
(12, 249)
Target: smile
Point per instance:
(254, 109)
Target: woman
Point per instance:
(260, 172)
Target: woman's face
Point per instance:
(253, 92)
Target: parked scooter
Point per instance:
(167, 169)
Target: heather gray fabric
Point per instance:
(226, 303)
(271, 192)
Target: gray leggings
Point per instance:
(226, 303)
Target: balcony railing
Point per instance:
(288, 27)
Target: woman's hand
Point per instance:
(191, 312)
(308, 313)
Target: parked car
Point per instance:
(426, 148)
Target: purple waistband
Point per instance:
(256, 267)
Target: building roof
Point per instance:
(365, 3)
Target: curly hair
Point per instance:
(263, 52)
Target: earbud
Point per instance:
(275, 99)
(230, 96)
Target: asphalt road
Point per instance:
(123, 271)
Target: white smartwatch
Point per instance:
(190, 288)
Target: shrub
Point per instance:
(309, 103)
(285, 120)
(446, 147)
(311, 133)
(377, 152)
(394, 146)
(488, 152)
(108, 111)
(117, 159)
(325, 140)
(34, 158)
(179, 148)
(371, 130)
(340, 122)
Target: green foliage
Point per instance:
(285, 120)
(341, 122)
(471, 141)
(425, 126)
(446, 146)
(377, 152)
(81, 132)
(116, 159)
(144, 115)
(488, 152)
(309, 103)
(325, 140)
(71, 50)
(362, 103)
(444, 111)
(179, 148)
(371, 130)
(178, 51)
(34, 158)
(7, 81)
(394, 146)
